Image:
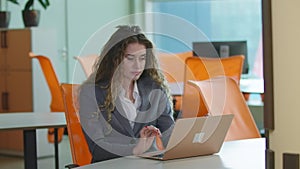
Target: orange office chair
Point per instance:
(87, 63)
(172, 66)
(79, 147)
(199, 68)
(222, 95)
(56, 104)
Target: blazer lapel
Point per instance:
(123, 121)
(137, 126)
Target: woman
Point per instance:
(125, 104)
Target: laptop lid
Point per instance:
(196, 136)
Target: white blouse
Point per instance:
(129, 107)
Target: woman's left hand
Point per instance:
(148, 133)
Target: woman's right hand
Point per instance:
(148, 134)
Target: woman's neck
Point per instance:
(128, 87)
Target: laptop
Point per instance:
(194, 137)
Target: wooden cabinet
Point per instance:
(16, 71)
(15, 83)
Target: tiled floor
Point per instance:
(9, 162)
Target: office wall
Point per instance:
(74, 22)
(83, 20)
(286, 35)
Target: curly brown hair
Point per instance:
(113, 54)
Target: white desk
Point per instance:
(246, 86)
(252, 85)
(29, 122)
(243, 154)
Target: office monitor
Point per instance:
(222, 49)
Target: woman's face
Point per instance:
(134, 61)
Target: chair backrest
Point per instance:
(56, 104)
(222, 95)
(87, 63)
(172, 65)
(79, 147)
(199, 68)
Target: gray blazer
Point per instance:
(117, 139)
